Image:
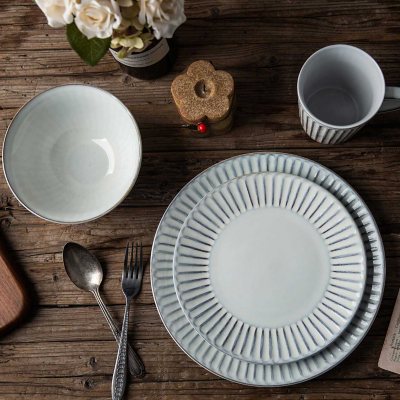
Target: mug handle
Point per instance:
(392, 99)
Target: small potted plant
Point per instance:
(138, 33)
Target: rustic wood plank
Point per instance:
(220, 9)
(330, 24)
(164, 174)
(269, 55)
(45, 272)
(96, 387)
(53, 287)
(267, 64)
(84, 369)
(70, 323)
(263, 127)
(164, 361)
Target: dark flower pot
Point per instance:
(155, 62)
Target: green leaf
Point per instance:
(90, 50)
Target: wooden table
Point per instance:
(65, 349)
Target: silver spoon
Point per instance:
(86, 273)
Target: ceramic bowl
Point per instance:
(72, 153)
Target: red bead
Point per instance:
(201, 127)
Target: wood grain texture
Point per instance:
(13, 295)
(65, 349)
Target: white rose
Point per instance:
(57, 12)
(164, 16)
(97, 18)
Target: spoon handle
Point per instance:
(119, 375)
(135, 364)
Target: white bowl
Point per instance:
(72, 153)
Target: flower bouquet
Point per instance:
(136, 31)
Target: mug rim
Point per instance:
(132, 183)
(370, 114)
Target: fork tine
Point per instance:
(131, 266)
(125, 271)
(136, 261)
(141, 267)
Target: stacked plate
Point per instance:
(267, 269)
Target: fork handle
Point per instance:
(119, 376)
(135, 364)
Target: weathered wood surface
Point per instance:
(65, 350)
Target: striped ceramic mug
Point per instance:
(340, 88)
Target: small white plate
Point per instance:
(269, 268)
(72, 153)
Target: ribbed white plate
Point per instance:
(269, 267)
(223, 364)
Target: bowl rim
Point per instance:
(117, 203)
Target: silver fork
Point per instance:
(132, 276)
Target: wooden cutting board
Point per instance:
(13, 296)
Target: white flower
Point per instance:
(164, 16)
(57, 12)
(97, 18)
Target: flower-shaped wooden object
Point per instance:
(204, 94)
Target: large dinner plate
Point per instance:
(215, 360)
(269, 267)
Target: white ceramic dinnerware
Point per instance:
(340, 88)
(219, 362)
(72, 153)
(269, 267)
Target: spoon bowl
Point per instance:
(82, 267)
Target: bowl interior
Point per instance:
(72, 153)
